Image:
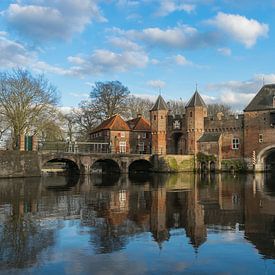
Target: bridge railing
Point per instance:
(74, 147)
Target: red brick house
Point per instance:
(140, 135)
(114, 131)
(133, 136)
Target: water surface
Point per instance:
(161, 224)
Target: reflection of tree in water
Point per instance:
(22, 236)
(108, 238)
(21, 241)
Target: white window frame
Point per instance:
(235, 143)
(261, 138)
(141, 146)
(122, 147)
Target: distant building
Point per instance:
(249, 137)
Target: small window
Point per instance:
(161, 117)
(141, 146)
(155, 117)
(261, 138)
(191, 114)
(235, 143)
(122, 134)
(144, 135)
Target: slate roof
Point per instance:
(139, 124)
(115, 123)
(160, 104)
(196, 101)
(210, 137)
(263, 99)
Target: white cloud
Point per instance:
(124, 43)
(79, 95)
(59, 19)
(244, 30)
(159, 84)
(13, 54)
(170, 6)
(181, 60)
(179, 37)
(225, 51)
(102, 61)
(239, 93)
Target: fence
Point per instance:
(74, 147)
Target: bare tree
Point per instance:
(215, 108)
(138, 105)
(176, 107)
(108, 98)
(85, 119)
(23, 100)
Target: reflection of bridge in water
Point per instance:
(160, 205)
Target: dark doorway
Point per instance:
(270, 161)
(176, 142)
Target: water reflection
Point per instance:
(114, 212)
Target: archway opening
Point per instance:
(212, 166)
(203, 166)
(269, 161)
(178, 144)
(61, 167)
(105, 166)
(140, 166)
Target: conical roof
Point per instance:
(196, 101)
(160, 104)
(263, 100)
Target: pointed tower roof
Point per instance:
(160, 104)
(196, 101)
(263, 100)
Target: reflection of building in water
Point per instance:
(195, 227)
(260, 216)
(158, 215)
(116, 213)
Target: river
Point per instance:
(138, 224)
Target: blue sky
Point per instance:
(226, 47)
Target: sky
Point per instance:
(224, 47)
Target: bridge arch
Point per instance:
(266, 158)
(140, 165)
(60, 164)
(104, 166)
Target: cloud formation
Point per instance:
(159, 84)
(244, 30)
(102, 61)
(239, 93)
(60, 19)
(170, 6)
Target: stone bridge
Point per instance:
(30, 164)
(85, 163)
